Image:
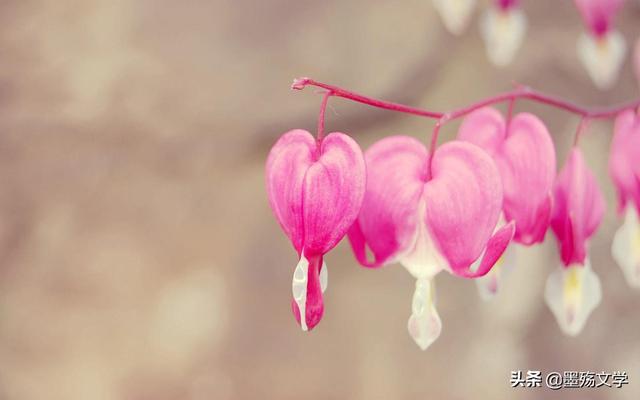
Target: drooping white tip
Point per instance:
(489, 284)
(299, 289)
(602, 57)
(626, 247)
(572, 293)
(424, 323)
(503, 32)
(324, 277)
(455, 14)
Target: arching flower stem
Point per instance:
(582, 126)
(323, 109)
(434, 142)
(521, 92)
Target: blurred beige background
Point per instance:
(139, 258)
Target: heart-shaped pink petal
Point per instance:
(463, 202)
(315, 193)
(528, 169)
(578, 208)
(388, 218)
(624, 166)
(526, 160)
(485, 128)
(287, 165)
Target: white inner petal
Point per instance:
(423, 260)
(299, 289)
(572, 293)
(424, 324)
(324, 277)
(626, 247)
(602, 57)
(503, 33)
(455, 13)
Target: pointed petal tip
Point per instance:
(358, 244)
(312, 320)
(489, 285)
(307, 286)
(496, 246)
(424, 330)
(386, 223)
(572, 293)
(424, 324)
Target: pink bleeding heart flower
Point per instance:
(573, 289)
(430, 219)
(624, 169)
(526, 158)
(602, 51)
(315, 191)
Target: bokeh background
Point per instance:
(139, 258)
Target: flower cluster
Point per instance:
(459, 207)
(503, 25)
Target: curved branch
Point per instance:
(521, 92)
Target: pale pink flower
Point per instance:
(430, 216)
(573, 289)
(526, 159)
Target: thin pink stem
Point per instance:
(518, 93)
(434, 142)
(461, 112)
(301, 83)
(582, 126)
(323, 109)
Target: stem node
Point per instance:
(300, 83)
